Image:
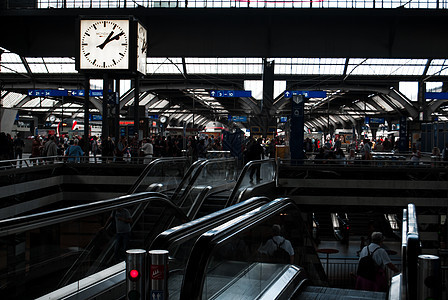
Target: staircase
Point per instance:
(318, 292)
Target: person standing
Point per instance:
(50, 148)
(272, 247)
(445, 154)
(36, 149)
(255, 152)
(94, 147)
(147, 150)
(381, 259)
(74, 152)
(19, 144)
(123, 221)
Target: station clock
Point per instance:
(104, 44)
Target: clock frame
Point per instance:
(115, 45)
(142, 48)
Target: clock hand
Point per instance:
(145, 45)
(106, 41)
(117, 37)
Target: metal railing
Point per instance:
(401, 161)
(342, 271)
(377, 4)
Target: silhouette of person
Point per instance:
(123, 220)
(277, 241)
(382, 260)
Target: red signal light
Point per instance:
(134, 274)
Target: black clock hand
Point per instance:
(117, 37)
(106, 41)
(145, 45)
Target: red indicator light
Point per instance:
(133, 274)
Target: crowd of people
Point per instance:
(125, 149)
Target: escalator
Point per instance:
(80, 243)
(226, 263)
(226, 195)
(38, 251)
(179, 240)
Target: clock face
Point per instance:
(104, 44)
(142, 48)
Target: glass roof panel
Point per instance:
(382, 103)
(146, 99)
(12, 99)
(11, 63)
(438, 67)
(417, 4)
(197, 65)
(164, 65)
(376, 66)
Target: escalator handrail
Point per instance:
(149, 167)
(142, 206)
(413, 250)
(246, 168)
(197, 262)
(23, 223)
(197, 172)
(186, 178)
(166, 238)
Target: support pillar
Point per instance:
(105, 123)
(136, 102)
(86, 136)
(297, 123)
(268, 97)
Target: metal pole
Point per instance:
(136, 274)
(158, 274)
(429, 284)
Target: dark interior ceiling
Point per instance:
(330, 33)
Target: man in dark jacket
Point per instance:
(255, 152)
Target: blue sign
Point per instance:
(60, 93)
(306, 94)
(433, 95)
(370, 120)
(283, 119)
(239, 119)
(95, 117)
(56, 93)
(229, 94)
(156, 295)
(81, 93)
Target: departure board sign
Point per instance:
(306, 94)
(438, 96)
(60, 93)
(230, 94)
